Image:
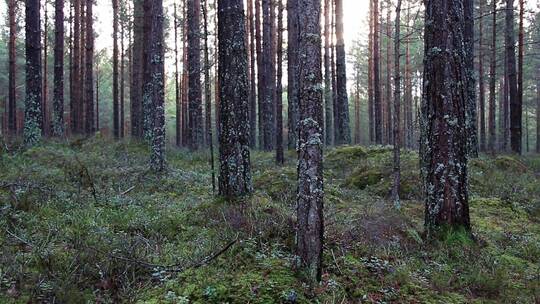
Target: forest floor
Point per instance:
(86, 222)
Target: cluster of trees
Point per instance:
(439, 106)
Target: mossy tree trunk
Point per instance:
(33, 112)
(235, 168)
(310, 226)
(444, 137)
(195, 120)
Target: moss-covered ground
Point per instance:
(86, 222)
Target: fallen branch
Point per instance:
(128, 190)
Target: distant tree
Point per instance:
(75, 85)
(343, 121)
(122, 114)
(328, 101)
(397, 108)
(33, 112)
(45, 66)
(235, 168)
(280, 158)
(492, 80)
(310, 228)
(471, 122)
(292, 71)
(515, 106)
(481, 88)
(388, 85)
(12, 95)
(177, 96)
(516, 112)
(58, 100)
(195, 120)
(252, 77)
(371, 91)
(116, 104)
(154, 89)
(444, 107)
(89, 58)
(268, 81)
(136, 70)
(208, 94)
(377, 103)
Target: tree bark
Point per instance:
(45, 65)
(444, 137)
(58, 101)
(481, 88)
(136, 71)
(328, 101)
(195, 121)
(397, 108)
(116, 109)
(310, 227)
(409, 123)
(75, 86)
(492, 81)
(516, 111)
(371, 116)
(389, 125)
(235, 169)
(515, 105)
(12, 93)
(471, 117)
(292, 72)
(267, 81)
(280, 158)
(122, 72)
(344, 130)
(253, 78)
(89, 58)
(177, 99)
(33, 119)
(377, 104)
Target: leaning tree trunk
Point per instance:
(444, 137)
(292, 71)
(12, 95)
(58, 91)
(154, 92)
(33, 114)
(310, 228)
(195, 121)
(89, 58)
(235, 169)
(344, 130)
(515, 105)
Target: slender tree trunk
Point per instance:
(69, 127)
(516, 111)
(328, 101)
(357, 131)
(292, 72)
(310, 227)
(335, 126)
(12, 93)
(82, 64)
(208, 95)
(97, 97)
(344, 130)
(377, 104)
(397, 108)
(136, 71)
(538, 109)
(89, 87)
(371, 117)
(252, 77)
(492, 80)
(503, 103)
(195, 122)
(481, 95)
(44, 95)
(235, 169)
(409, 127)
(32, 105)
(177, 82)
(515, 105)
(116, 110)
(389, 125)
(444, 115)
(280, 158)
(122, 75)
(471, 118)
(268, 90)
(185, 81)
(58, 99)
(154, 92)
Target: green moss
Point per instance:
(362, 177)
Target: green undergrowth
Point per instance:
(86, 222)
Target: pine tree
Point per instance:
(515, 106)
(89, 58)
(471, 121)
(116, 105)
(310, 228)
(397, 108)
(136, 71)
(292, 71)
(58, 101)
(481, 89)
(75, 97)
(12, 95)
(280, 158)
(377, 103)
(267, 81)
(444, 107)
(235, 169)
(195, 120)
(492, 80)
(252, 77)
(33, 112)
(343, 121)
(328, 100)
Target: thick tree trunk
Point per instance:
(58, 99)
(235, 168)
(12, 93)
(397, 108)
(252, 77)
(444, 142)
(280, 158)
(292, 72)
(344, 130)
(377, 104)
(328, 101)
(136, 71)
(492, 81)
(154, 92)
(481, 88)
(195, 121)
(89, 58)
(310, 227)
(33, 119)
(116, 109)
(515, 105)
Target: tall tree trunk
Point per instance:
(444, 144)
(389, 125)
(154, 89)
(333, 73)
(515, 105)
(177, 82)
(516, 111)
(208, 94)
(471, 117)
(82, 64)
(492, 81)
(252, 77)
(267, 79)
(310, 227)
(69, 126)
(32, 105)
(116, 110)
(97, 97)
(195, 121)
(292, 72)
(503, 109)
(44, 95)
(89, 58)
(12, 93)
(122, 74)
(185, 80)
(136, 71)
(74, 96)
(260, 70)
(357, 131)
(409, 126)
(235, 169)
(280, 158)
(342, 115)
(377, 104)
(370, 116)
(328, 101)
(58, 101)
(538, 109)
(481, 95)
(397, 108)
